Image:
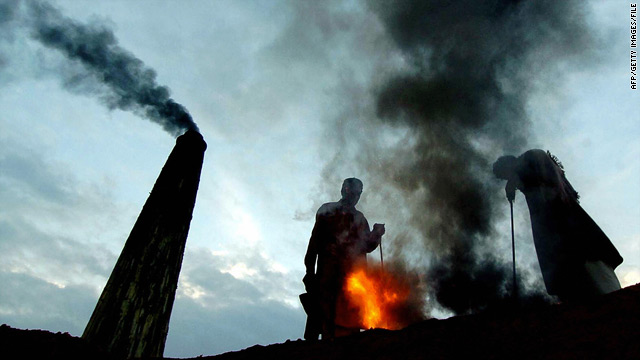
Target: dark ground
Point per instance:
(607, 328)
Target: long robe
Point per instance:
(576, 258)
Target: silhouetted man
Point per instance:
(340, 239)
(576, 258)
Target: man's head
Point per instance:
(351, 190)
(505, 167)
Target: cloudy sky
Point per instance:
(284, 94)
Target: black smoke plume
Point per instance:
(129, 84)
(472, 65)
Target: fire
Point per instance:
(378, 296)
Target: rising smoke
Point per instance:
(462, 97)
(7, 16)
(118, 78)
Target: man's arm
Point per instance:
(371, 239)
(311, 256)
(312, 250)
(510, 188)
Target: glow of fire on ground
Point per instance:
(377, 295)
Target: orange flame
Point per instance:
(377, 295)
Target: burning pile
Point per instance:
(381, 299)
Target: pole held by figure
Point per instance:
(513, 253)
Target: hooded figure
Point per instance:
(340, 239)
(576, 258)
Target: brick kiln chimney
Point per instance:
(131, 318)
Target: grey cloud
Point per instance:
(213, 331)
(222, 289)
(232, 313)
(39, 199)
(208, 271)
(31, 303)
(8, 9)
(25, 174)
(25, 248)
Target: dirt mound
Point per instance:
(606, 328)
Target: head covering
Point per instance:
(567, 192)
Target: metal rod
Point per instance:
(513, 251)
(381, 259)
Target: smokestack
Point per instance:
(131, 318)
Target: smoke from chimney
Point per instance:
(128, 84)
(461, 102)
